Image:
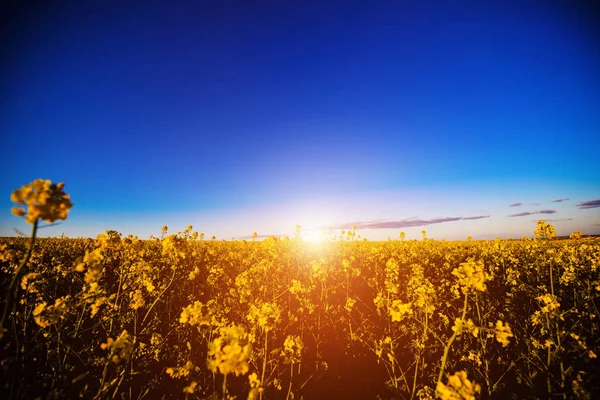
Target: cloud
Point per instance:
(477, 217)
(526, 213)
(589, 204)
(559, 200)
(403, 223)
(557, 220)
(520, 204)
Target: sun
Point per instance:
(313, 236)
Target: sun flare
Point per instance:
(313, 236)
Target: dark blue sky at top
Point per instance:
(211, 104)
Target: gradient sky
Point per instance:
(243, 116)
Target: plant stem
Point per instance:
(264, 367)
(414, 386)
(452, 338)
(291, 381)
(17, 272)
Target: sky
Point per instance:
(461, 118)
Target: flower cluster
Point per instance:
(292, 349)
(459, 387)
(503, 332)
(43, 200)
(471, 276)
(45, 315)
(267, 316)
(398, 310)
(544, 230)
(120, 348)
(230, 351)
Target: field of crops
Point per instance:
(184, 317)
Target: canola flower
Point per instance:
(292, 349)
(229, 353)
(544, 230)
(207, 312)
(120, 348)
(459, 387)
(181, 372)
(471, 276)
(399, 310)
(41, 199)
(503, 333)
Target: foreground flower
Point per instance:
(230, 351)
(43, 200)
(459, 387)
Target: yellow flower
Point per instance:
(137, 299)
(19, 212)
(254, 381)
(43, 200)
(194, 315)
(230, 351)
(458, 388)
(119, 349)
(471, 276)
(503, 332)
(38, 317)
(292, 349)
(266, 316)
(181, 372)
(398, 310)
(190, 388)
(575, 235)
(544, 230)
(550, 303)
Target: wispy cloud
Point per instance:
(477, 217)
(521, 204)
(526, 213)
(559, 200)
(589, 204)
(557, 220)
(402, 223)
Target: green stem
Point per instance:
(264, 367)
(17, 272)
(452, 338)
(156, 300)
(291, 381)
(414, 386)
(101, 388)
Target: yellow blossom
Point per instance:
(458, 388)
(43, 200)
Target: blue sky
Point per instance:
(238, 116)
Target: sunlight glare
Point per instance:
(313, 236)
